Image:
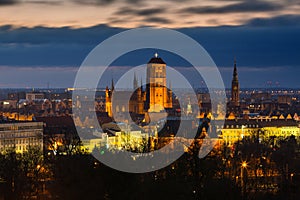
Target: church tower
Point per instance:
(235, 87)
(108, 98)
(108, 104)
(157, 95)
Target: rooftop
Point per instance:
(156, 60)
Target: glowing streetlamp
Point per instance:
(243, 167)
(244, 164)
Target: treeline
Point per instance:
(220, 175)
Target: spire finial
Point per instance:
(112, 84)
(156, 55)
(135, 82)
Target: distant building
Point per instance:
(8, 104)
(259, 96)
(204, 102)
(157, 95)
(155, 98)
(16, 95)
(285, 99)
(263, 129)
(235, 88)
(203, 97)
(58, 131)
(234, 103)
(34, 96)
(20, 136)
(60, 95)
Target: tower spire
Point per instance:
(235, 74)
(112, 84)
(135, 82)
(235, 87)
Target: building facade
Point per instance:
(158, 97)
(20, 136)
(234, 106)
(33, 96)
(155, 98)
(262, 129)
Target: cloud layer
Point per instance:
(42, 34)
(240, 7)
(260, 47)
(261, 42)
(8, 2)
(135, 13)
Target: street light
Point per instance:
(243, 167)
(244, 164)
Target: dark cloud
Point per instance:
(258, 50)
(5, 28)
(126, 11)
(264, 46)
(132, 2)
(244, 6)
(52, 2)
(11, 2)
(284, 20)
(150, 11)
(42, 46)
(46, 35)
(157, 20)
(115, 20)
(140, 12)
(149, 14)
(8, 2)
(94, 2)
(106, 2)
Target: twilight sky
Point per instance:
(45, 41)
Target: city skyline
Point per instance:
(99, 99)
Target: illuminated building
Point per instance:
(33, 96)
(234, 103)
(20, 136)
(17, 116)
(155, 98)
(108, 98)
(131, 140)
(263, 129)
(157, 95)
(59, 131)
(117, 101)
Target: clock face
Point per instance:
(235, 87)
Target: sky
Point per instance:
(43, 42)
